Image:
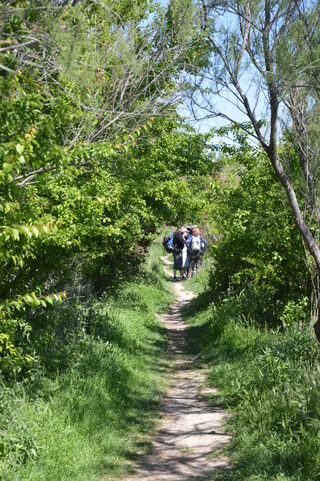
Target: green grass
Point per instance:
(199, 282)
(89, 420)
(269, 380)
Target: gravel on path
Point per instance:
(190, 429)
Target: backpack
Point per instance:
(168, 243)
(195, 244)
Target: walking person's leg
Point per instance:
(198, 263)
(180, 264)
(177, 265)
(174, 267)
(201, 259)
(192, 261)
(186, 267)
(184, 261)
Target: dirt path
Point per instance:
(190, 429)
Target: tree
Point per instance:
(259, 254)
(113, 61)
(90, 152)
(265, 63)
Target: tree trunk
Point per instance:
(307, 236)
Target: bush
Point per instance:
(96, 388)
(270, 380)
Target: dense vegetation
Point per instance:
(251, 325)
(80, 202)
(269, 381)
(94, 160)
(97, 408)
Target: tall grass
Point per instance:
(269, 380)
(200, 280)
(85, 418)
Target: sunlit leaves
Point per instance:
(259, 246)
(76, 209)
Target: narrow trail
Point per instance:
(190, 429)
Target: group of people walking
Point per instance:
(188, 247)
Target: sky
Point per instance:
(249, 85)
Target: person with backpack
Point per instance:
(194, 243)
(168, 243)
(178, 245)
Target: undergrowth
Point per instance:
(199, 281)
(95, 394)
(268, 379)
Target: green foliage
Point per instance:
(270, 382)
(96, 408)
(91, 159)
(251, 322)
(258, 247)
(83, 215)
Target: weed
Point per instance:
(269, 379)
(99, 382)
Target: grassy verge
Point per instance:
(87, 422)
(199, 281)
(269, 380)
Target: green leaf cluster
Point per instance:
(258, 245)
(82, 216)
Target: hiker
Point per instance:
(189, 229)
(178, 245)
(194, 243)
